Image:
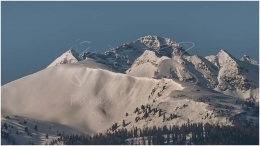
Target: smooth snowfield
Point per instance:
(88, 99)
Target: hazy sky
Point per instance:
(36, 33)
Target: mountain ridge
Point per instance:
(222, 72)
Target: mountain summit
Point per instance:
(71, 56)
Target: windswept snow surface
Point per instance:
(77, 96)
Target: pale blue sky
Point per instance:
(35, 33)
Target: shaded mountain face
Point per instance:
(121, 58)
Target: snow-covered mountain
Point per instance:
(97, 98)
(221, 72)
(158, 57)
(151, 81)
(249, 60)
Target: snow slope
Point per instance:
(17, 123)
(64, 93)
(91, 100)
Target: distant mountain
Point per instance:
(249, 60)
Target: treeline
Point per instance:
(251, 105)
(174, 135)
